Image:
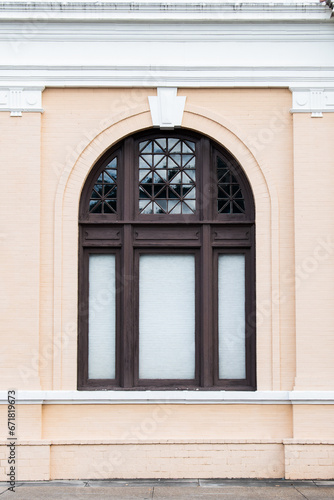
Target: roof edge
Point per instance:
(182, 10)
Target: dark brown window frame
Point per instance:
(128, 233)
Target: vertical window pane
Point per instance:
(231, 316)
(102, 315)
(167, 317)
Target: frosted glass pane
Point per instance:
(102, 315)
(167, 317)
(231, 316)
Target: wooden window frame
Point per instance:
(128, 234)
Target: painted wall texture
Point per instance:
(283, 139)
(288, 161)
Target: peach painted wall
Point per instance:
(289, 162)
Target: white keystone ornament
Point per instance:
(167, 108)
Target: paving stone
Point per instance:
(228, 492)
(171, 490)
(316, 493)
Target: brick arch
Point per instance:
(66, 225)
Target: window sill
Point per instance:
(171, 397)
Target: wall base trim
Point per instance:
(230, 459)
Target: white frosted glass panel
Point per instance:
(102, 315)
(231, 316)
(167, 317)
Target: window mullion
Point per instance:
(129, 181)
(206, 313)
(127, 328)
(127, 307)
(207, 185)
(206, 269)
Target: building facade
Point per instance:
(167, 284)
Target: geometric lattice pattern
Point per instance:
(230, 197)
(167, 176)
(103, 199)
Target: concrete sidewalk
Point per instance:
(172, 489)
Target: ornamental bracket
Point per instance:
(312, 100)
(21, 99)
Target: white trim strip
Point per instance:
(72, 76)
(171, 397)
(15, 33)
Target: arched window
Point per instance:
(166, 267)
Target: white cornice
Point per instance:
(181, 10)
(168, 76)
(173, 44)
(171, 397)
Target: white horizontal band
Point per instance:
(170, 397)
(143, 77)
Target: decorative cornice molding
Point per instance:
(313, 100)
(174, 10)
(167, 109)
(171, 397)
(21, 99)
(90, 31)
(45, 46)
(167, 76)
